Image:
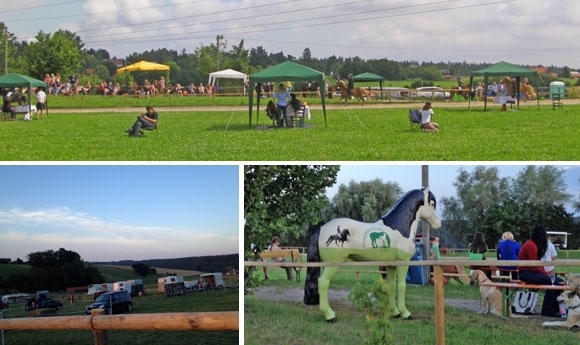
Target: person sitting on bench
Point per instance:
(534, 249)
(275, 245)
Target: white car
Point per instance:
(431, 91)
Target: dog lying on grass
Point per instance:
(491, 300)
(572, 300)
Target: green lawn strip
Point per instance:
(352, 134)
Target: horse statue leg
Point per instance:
(323, 285)
(401, 277)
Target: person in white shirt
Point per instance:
(40, 101)
(426, 124)
(550, 255)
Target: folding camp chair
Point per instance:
(296, 117)
(272, 112)
(415, 119)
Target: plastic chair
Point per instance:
(415, 119)
(557, 101)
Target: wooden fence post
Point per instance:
(99, 335)
(439, 305)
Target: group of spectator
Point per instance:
(537, 247)
(56, 86)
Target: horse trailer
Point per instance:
(559, 238)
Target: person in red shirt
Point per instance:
(534, 249)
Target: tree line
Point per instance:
(290, 202)
(64, 52)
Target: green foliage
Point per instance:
(373, 299)
(490, 204)
(284, 200)
(363, 200)
(56, 53)
(141, 269)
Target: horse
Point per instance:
(358, 92)
(341, 236)
(15, 97)
(398, 227)
(310, 88)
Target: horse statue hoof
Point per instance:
(408, 318)
(333, 320)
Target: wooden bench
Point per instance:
(509, 291)
(292, 255)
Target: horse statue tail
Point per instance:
(312, 273)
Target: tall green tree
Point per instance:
(477, 192)
(365, 201)
(284, 199)
(58, 53)
(541, 185)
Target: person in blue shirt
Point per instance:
(281, 97)
(508, 249)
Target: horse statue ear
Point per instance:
(426, 193)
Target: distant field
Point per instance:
(160, 271)
(6, 270)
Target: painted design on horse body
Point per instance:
(380, 239)
(392, 238)
(341, 236)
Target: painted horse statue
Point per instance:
(391, 238)
(359, 93)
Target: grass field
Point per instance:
(217, 300)
(354, 133)
(297, 324)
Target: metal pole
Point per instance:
(426, 235)
(5, 49)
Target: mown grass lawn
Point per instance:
(354, 133)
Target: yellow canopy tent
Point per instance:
(143, 66)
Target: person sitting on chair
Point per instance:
(147, 121)
(426, 124)
(295, 102)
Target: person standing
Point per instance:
(147, 121)
(282, 96)
(350, 85)
(40, 102)
(435, 251)
(534, 249)
(508, 249)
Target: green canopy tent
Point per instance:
(367, 76)
(286, 71)
(502, 69)
(12, 80)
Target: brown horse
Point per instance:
(358, 93)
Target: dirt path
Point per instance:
(296, 295)
(329, 106)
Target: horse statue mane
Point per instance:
(397, 218)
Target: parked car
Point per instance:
(43, 303)
(431, 91)
(121, 301)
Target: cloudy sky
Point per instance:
(441, 176)
(112, 212)
(518, 31)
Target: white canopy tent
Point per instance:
(226, 74)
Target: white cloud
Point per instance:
(26, 231)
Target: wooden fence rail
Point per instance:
(99, 323)
(438, 275)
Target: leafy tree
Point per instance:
(492, 205)
(58, 53)
(364, 201)
(141, 269)
(284, 199)
(477, 192)
(540, 185)
(306, 55)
